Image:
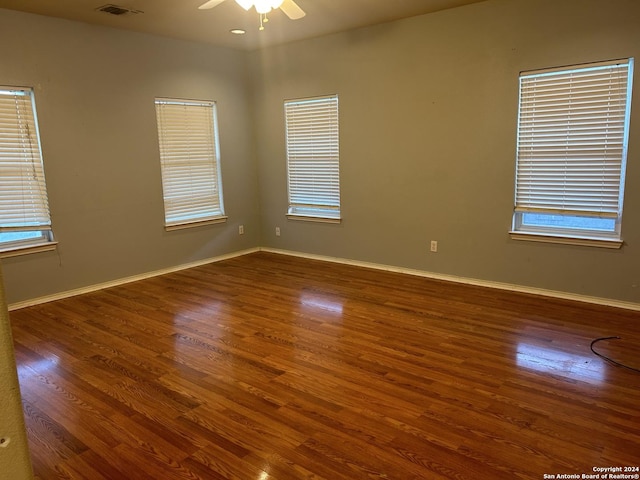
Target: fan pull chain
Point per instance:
(263, 20)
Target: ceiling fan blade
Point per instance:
(292, 10)
(210, 4)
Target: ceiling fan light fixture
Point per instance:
(263, 6)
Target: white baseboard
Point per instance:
(469, 281)
(390, 268)
(122, 281)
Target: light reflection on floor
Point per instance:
(587, 368)
(317, 301)
(38, 366)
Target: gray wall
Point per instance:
(95, 90)
(428, 110)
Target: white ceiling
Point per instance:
(182, 19)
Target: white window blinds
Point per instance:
(187, 132)
(313, 157)
(572, 139)
(23, 193)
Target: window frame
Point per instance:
(22, 156)
(306, 147)
(199, 196)
(596, 146)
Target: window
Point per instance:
(25, 222)
(313, 158)
(189, 158)
(572, 146)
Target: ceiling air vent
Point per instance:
(116, 10)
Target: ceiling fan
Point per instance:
(288, 7)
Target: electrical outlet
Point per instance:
(277, 231)
(241, 230)
(434, 245)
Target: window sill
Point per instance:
(27, 249)
(311, 218)
(567, 240)
(182, 226)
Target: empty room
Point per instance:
(319, 239)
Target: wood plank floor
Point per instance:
(274, 367)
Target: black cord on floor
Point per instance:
(609, 359)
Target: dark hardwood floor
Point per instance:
(274, 367)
